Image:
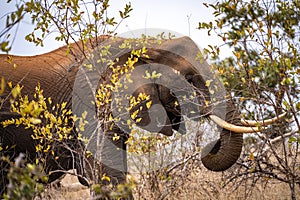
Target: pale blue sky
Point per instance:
(162, 14)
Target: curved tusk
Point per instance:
(262, 122)
(231, 127)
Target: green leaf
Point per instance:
(298, 106)
(5, 47)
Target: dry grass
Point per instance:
(208, 185)
(200, 184)
(68, 189)
(192, 181)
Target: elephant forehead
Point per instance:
(173, 60)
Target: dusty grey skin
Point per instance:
(56, 74)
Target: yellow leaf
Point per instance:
(243, 80)
(176, 103)
(134, 114)
(116, 137)
(207, 103)
(251, 71)
(148, 104)
(105, 178)
(207, 83)
(2, 87)
(9, 59)
(63, 105)
(251, 156)
(49, 100)
(147, 74)
(9, 84)
(155, 75)
(38, 147)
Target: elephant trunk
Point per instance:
(221, 154)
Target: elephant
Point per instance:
(60, 75)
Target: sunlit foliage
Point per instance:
(262, 75)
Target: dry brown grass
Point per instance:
(208, 185)
(200, 184)
(69, 188)
(192, 181)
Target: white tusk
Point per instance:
(262, 122)
(231, 127)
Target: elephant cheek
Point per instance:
(221, 154)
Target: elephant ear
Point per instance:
(221, 154)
